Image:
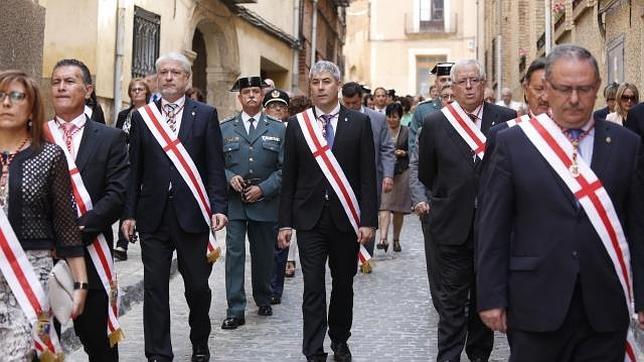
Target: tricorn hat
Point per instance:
(442, 68)
(247, 82)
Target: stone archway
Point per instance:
(221, 58)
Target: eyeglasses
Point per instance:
(632, 99)
(447, 97)
(276, 106)
(14, 97)
(582, 90)
(473, 81)
(137, 90)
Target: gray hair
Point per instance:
(177, 57)
(464, 63)
(323, 66)
(570, 51)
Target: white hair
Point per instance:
(323, 66)
(464, 63)
(177, 57)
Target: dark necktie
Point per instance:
(251, 127)
(473, 117)
(327, 129)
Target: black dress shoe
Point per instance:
(232, 323)
(265, 310)
(321, 358)
(276, 300)
(341, 351)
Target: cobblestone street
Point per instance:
(393, 316)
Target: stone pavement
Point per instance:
(393, 316)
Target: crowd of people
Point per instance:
(530, 211)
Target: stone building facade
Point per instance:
(23, 24)
(612, 30)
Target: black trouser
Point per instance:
(91, 328)
(575, 340)
(432, 263)
(458, 317)
(277, 277)
(156, 252)
(316, 245)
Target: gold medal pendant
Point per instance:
(574, 169)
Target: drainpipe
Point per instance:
(314, 31)
(548, 26)
(118, 58)
(499, 52)
(295, 73)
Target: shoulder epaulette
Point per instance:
(227, 119)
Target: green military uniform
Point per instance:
(256, 157)
(423, 109)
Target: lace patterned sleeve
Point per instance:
(64, 217)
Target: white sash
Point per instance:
(334, 175)
(99, 250)
(465, 128)
(182, 161)
(557, 150)
(514, 122)
(29, 293)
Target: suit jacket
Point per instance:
(152, 171)
(102, 160)
(259, 157)
(303, 184)
(601, 113)
(384, 148)
(635, 120)
(535, 243)
(447, 168)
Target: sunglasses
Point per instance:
(14, 97)
(633, 99)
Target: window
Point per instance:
(147, 33)
(424, 63)
(431, 15)
(615, 60)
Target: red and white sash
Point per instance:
(514, 122)
(182, 161)
(463, 124)
(334, 175)
(29, 293)
(557, 150)
(99, 250)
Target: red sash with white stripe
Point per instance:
(29, 293)
(514, 122)
(557, 150)
(334, 175)
(182, 161)
(463, 124)
(99, 250)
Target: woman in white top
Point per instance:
(626, 97)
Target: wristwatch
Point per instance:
(81, 285)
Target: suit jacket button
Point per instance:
(574, 254)
(250, 159)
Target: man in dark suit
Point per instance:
(167, 215)
(635, 121)
(383, 145)
(101, 157)
(447, 167)
(544, 275)
(309, 205)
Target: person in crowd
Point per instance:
(166, 213)
(635, 121)
(268, 86)
(367, 101)
(610, 92)
(398, 201)
(253, 149)
(490, 95)
(308, 203)
(276, 105)
(380, 95)
(139, 93)
(405, 102)
(557, 295)
(433, 91)
(196, 94)
(506, 100)
(423, 109)
(298, 104)
(391, 96)
(448, 166)
(416, 100)
(87, 142)
(93, 108)
(627, 97)
(447, 94)
(533, 88)
(35, 196)
(153, 84)
(383, 146)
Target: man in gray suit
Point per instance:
(384, 146)
(253, 149)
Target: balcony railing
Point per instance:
(415, 26)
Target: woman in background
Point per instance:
(626, 98)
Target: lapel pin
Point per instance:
(193, 113)
(345, 119)
(608, 140)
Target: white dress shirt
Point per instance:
(77, 136)
(334, 121)
(245, 118)
(478, 113)
(177, 118)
